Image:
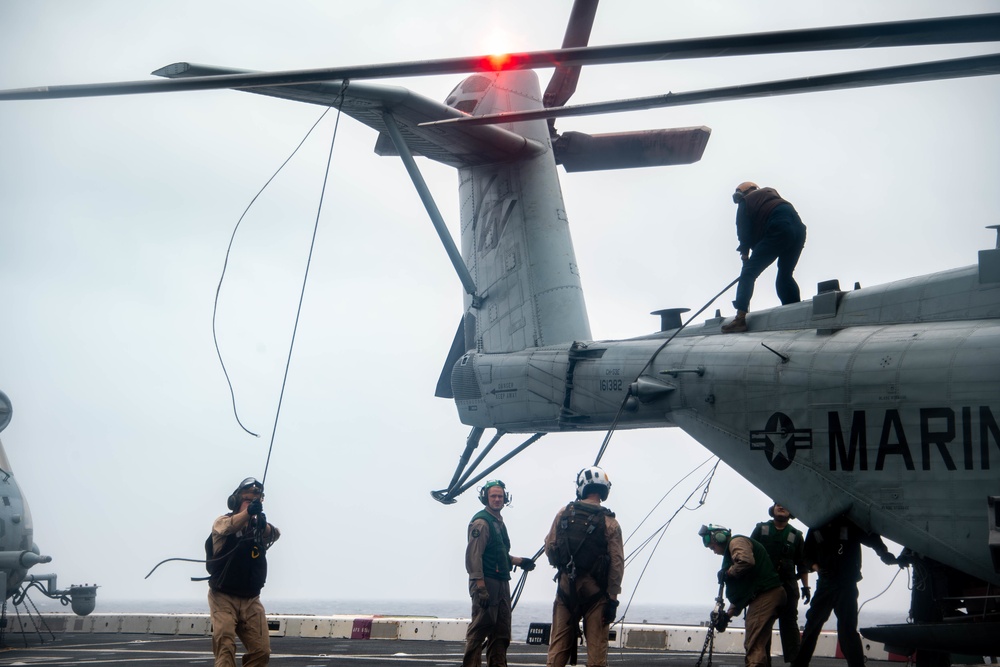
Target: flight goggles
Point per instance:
(250, 482)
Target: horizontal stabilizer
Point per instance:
(367, 102)
(577, 151)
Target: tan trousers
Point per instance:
(244, 617)
(760, 621)
(564, 623)
(490, 625)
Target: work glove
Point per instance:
(527, 564)
(255, 507)
(888, 558)
(722, 621)
(722, 576)
(483, 597)
(261, 521)
(806, 594)
(610, 611)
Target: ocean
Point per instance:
(525, 613)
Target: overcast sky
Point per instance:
(116, 214)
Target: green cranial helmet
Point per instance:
(712, 533)
(484, 491)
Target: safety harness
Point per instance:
(240, 569)
(581, 549)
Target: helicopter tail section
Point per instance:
(515, 232)
(515, 235)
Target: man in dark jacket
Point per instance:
(770, 227)
(834, 551)
(237, 565)
(751, 583)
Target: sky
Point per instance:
(116, 214)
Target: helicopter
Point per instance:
(510, 365)
(18, 551)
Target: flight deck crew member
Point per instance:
(585, 544)
(834, 551)
(783, 543)
(237, 562)
(488, 562)
(751, 583)
(770, 227)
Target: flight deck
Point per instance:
(305, 639)
(170, 651)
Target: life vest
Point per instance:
(784, 546)
(582, 541)
(496, 556)
(240, 567)
(761, 577)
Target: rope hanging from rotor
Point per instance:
(258, 532)
(305, 279)
(225, 266)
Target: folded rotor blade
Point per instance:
(946, 30)
(577, 151)
(930, 71)
(562, 85)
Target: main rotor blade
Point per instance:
(944, 30)
(562, 85)
(929, 71)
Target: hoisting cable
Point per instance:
(669, 491)
(704, 484)
(621, 408)
(519, 586)
(883, 590)
(225, 265)
(291, 345)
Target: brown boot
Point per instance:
(738, 325)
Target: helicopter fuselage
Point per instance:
(18, 552)
(880, 402)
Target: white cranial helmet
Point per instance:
(592, 477)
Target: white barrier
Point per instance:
(654, 637)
